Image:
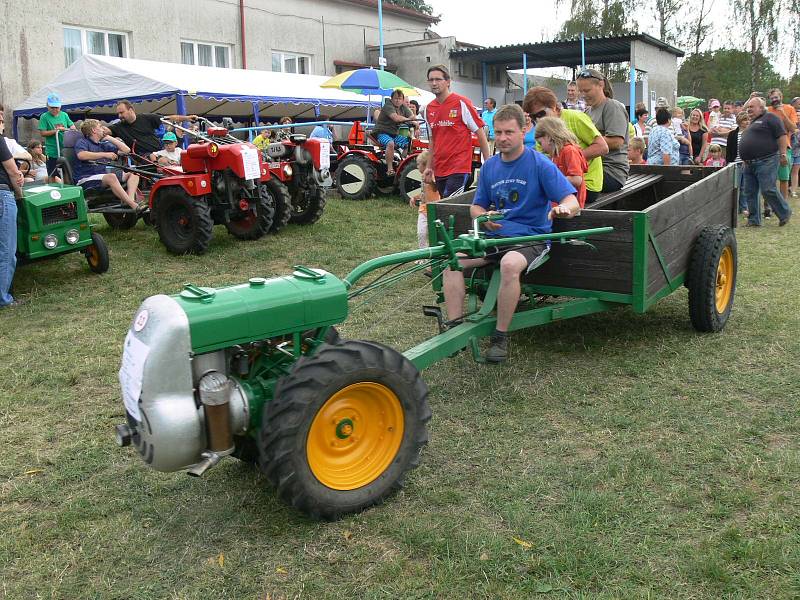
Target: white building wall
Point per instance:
(33, 45)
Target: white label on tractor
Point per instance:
(39, 189)
(252, 168)
(131, 372)
(55, 195)
(324, 155)
(141, 320)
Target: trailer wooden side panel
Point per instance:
(675, 223)
(609, 268)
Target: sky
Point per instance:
(532, 21)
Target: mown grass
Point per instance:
(615, 456)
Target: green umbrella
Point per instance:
(690, 102)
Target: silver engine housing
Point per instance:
(169, 430)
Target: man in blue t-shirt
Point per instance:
(522, 185)
(90, 169)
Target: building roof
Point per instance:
(600, 50)
(394, 9)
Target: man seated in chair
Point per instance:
(387, 127)
(523, 186)
(95, 146)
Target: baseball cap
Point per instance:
(713, 103)
(53, 100)
(169, 137)
(661, 102)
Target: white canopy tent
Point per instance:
(93, 82)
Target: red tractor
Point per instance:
(361, 167)
(226, 181)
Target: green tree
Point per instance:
(759, 20)
(417, 5)
(719, 74)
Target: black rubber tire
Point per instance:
(257, 221)
(304, 391)
(355, 177)
(704, 278)
(183, 222)
(121, 221)
(97, 254)
(282, 202)
(410, 182)
(308, 205)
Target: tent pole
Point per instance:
(484, 80)
(256, 121)
(524, 73)
(633, 92)
(180, 108)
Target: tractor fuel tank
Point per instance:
(262, 308)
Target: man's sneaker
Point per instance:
(767, 213)
(785, 221)
(498, 350)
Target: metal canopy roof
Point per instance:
(602, 50)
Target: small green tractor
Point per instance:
(52, 220)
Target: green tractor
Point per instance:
(52, 220)
(257, 371)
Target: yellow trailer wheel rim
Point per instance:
(724, 286)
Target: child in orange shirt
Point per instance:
(561, 145)
(428, 193)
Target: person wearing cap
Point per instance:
(137, 131)
(712, 118)
(660, 103)
(452, 120)
(170, 154)
(52, 125)
(611, 119)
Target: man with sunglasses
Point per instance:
(451, 119)
(611, 119)
(542, 102)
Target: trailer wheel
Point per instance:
(184, 222)
(97, 254)
(307, 205)
(345, 427)
(121, 221)
(253, 223)
(355, 177)
(282, 202)
(712, 278)
(410, 181)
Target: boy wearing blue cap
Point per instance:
(51, 124)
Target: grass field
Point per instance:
(614, 456)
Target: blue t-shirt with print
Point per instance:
(523, 189)
(82, 168)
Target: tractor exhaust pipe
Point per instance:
(209, 460)
(214, 389)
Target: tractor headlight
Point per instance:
(72, 237)
(287, 170)
(50, 241)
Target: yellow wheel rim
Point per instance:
(355, 436)
(724, 285)
(93, 255)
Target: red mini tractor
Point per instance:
(226, 181)
(361, 167)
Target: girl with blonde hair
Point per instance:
(561, 145)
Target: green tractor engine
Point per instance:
(257, 371)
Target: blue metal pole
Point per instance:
(633, 92)
(524, 73)
(484, 82)
(380, 33)
(583, 51)
(256, 120)
(180, 108)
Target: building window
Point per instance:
(289, 62)
(205, 55)
(79, 41)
